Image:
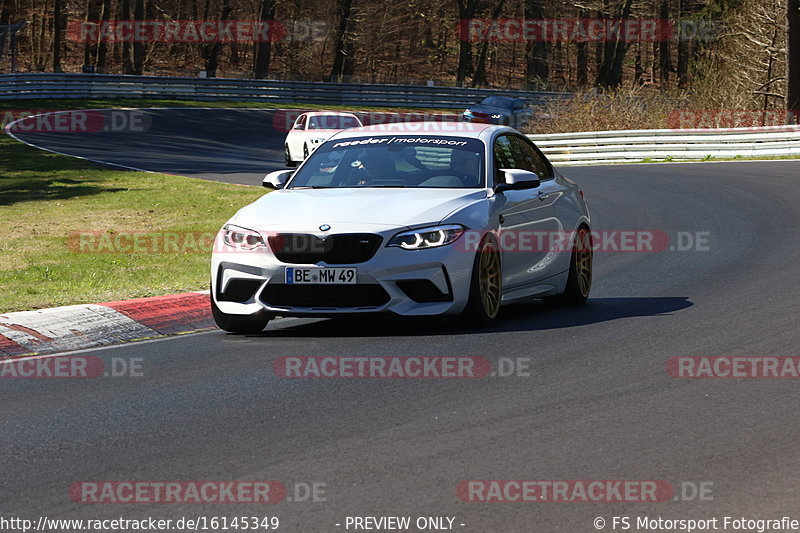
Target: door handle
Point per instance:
(542, 196)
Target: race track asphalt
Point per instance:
(598, 403)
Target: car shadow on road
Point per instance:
(533, 316)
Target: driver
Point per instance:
(466, 165)
(372, 168)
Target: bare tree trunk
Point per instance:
(4, 20)
(537, 71)
(607, 48)
(610, 74)
(664, 57)
(479, 79)
(770, 69)
(102, 48)
(58, 17)
(212, 50)
(685, 8)
(39, 39)
(138, 46)
(342, 64)
(92, 15)
(125, 14)
(466, 12)
(263, 49)
(793, 57)
(582, 56)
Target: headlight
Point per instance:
(427, 237)
(317, 141)
(242, 238)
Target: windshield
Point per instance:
(394, 161)
(498, 101)
(332, 122)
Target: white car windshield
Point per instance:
(394, 161)
(332, 122)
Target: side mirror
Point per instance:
(517, 180)
(277, 179)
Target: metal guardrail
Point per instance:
(20, 86)
(637, 145)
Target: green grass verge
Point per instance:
(45, 198)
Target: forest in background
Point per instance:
(728, 54)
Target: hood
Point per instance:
(321, 133)
(307, 209)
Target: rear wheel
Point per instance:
(579, 281)
(241, 324)
(287, 157)
(485, 289)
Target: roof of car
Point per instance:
(437, 129)
(328, 113)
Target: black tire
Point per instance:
(579, 281)
(483, 305)
(287, 158)
(239, 323)
(305, 152)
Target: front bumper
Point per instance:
(470, 117)
(404, 282)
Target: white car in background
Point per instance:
(312, 129)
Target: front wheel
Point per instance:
(485, 288)
(305, 152)
(241, 324)
(579, 281)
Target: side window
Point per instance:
(503, 156)
(301, 123)
(532, 159)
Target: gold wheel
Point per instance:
(583, 261)
(489, 277)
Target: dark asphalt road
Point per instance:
(230, 145)
(598, 403)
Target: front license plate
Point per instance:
(320, 276)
